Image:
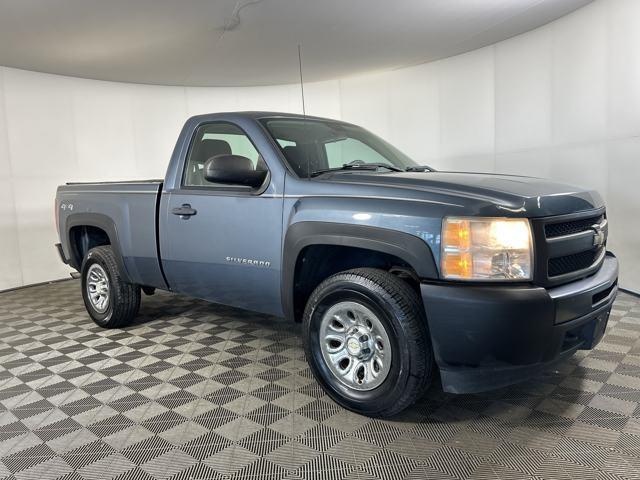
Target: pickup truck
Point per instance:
(396, 271)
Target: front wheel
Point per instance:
(110, 301)
(367, 341)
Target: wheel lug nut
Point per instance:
(366, 351)
(364, 338)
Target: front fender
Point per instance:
(411, 249)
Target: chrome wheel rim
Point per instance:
(355, 345)
(98, 288)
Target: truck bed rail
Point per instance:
(117, 182)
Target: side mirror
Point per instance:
(233, 170)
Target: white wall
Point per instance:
(562, 101)
(56, 129)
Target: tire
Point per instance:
(121, 300)
(358, 386)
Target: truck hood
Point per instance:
(522, 196)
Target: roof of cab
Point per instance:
(257, 115)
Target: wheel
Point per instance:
(367, 341)
(110, 301)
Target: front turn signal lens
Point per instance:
(478, 248)
(458, 265)
(457, 234)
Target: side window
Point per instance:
(217, 139)
(350, 149)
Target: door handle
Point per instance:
(185, 211)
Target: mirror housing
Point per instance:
(233, 170)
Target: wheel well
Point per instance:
(317, 262)
(83, 238)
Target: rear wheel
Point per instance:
(110, 301)
(367, 342)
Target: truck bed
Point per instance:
(127, 211)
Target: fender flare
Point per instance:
(97, 220)
(410, 248)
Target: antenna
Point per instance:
(304, 112)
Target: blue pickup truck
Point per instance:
(397, 272)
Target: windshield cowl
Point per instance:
(370, 167)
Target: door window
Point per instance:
(218, 139)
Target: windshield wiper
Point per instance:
(419, 168)
(357, 166)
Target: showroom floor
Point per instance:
(195, 390)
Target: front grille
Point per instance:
(561, 229)
(568, 247)
(571, 263)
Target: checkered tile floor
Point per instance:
(195, 391)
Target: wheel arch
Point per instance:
(382, 244)
(75, 224)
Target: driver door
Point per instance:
(220, 242)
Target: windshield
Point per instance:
(312, 146)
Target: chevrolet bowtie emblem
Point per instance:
(598, 237)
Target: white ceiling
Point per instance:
(252, 42)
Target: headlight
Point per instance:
(476, 248)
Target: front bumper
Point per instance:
(487, 337)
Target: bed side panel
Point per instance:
(128, 211)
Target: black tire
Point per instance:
(124, 298)
(400, 310)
